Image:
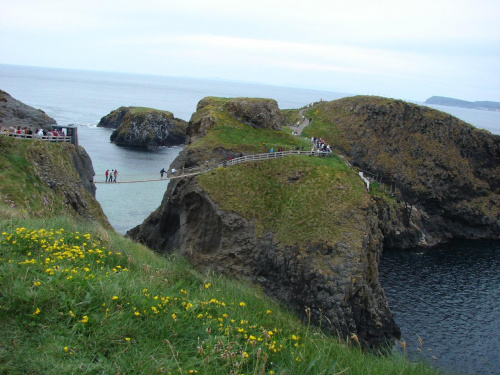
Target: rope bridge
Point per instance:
(207, 167)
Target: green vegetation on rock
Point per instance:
(229, 133)
(302, 199)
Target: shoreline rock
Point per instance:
(144, 127)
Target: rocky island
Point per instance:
(144, 127)
(450, 102)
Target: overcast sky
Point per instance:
(401, 49)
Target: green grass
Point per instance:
(75, 298)
(19, 185)
(301, 199)
(230, 134)
(145, 110)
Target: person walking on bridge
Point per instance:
(107, 175)
(162, 172)
(115, 173)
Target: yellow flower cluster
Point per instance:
(51, 257)
(57, 253)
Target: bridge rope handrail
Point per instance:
(207, 167)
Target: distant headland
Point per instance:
(450, 102)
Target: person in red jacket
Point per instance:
(107, 175)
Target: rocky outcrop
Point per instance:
(14, 113)
(144, 127)
(257, 113)
(331, 280)
(444, 174)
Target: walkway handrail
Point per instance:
(48, 138)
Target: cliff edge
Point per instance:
(43, 179)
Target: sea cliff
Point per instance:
(304, 228)
(45, 179)
(443, 174)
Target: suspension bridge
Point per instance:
(207, 167)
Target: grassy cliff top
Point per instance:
(303, 200)
(224, 130)
(145, 110)
(426, 151)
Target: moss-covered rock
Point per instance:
(444, 173)
(144, 127)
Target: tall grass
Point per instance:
(75, 298)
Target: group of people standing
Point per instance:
(163, 171)
(321, 145)
(111, 175)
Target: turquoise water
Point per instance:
(448, 296)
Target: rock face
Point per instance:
(14, 113)
(144, 127)
(444, 173)
(331, 281)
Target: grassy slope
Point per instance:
(77, 299)
(302, 199)
(229, 134)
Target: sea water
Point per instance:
(445, 300)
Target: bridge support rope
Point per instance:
(207, 168)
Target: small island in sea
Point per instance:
(450, 102)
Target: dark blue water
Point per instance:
(448, 297)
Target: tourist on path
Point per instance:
(115, 173)
(107, 175)
(162, 172)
